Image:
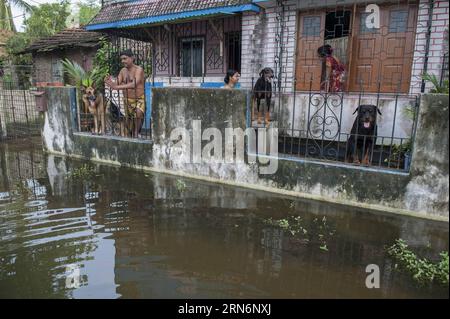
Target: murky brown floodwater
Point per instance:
(134, 235)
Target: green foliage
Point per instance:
(398, 152)
(7, 80)
(180, 185)
(21, 189)
(293, 225)
(47, 19)
(19, 4)
(79, 76)
(17, 43)
(83, 172)
(101, 63)
(6, 15)
(422, 270)
(87, 10)
(75, 72)
(442, 269)
(317, 231)
(437, 86)
(410, 111)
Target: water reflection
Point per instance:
(134, 235)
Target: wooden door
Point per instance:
(311, 32)
(397, 47)
(366, 47)
(382, 58)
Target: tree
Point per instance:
(87, 10)
(47, 19)
(6, 17)
(18, 43)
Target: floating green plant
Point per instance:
(180, 185)
(316, 230)
(83, 172)
(422, 270)
(22, 189)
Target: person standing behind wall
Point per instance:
(334, 70)
(231, 79)
(131, 80)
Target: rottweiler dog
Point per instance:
(116, 123)
(363, 135)
(263, 90)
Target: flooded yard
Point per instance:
(71, 229)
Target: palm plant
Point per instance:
(75, 72)
(438, 87)
(6, 17)
(80, 76)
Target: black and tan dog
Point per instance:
(94, 103)
(363, 135)
(116, 119)
(263, 90)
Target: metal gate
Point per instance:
(18, 115)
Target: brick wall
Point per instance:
(440, 22)
(261, 49)
(44, 62)
(253, 33)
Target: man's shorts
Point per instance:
(132, 105)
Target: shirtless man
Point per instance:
(131, 81)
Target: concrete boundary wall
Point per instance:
(424, 192)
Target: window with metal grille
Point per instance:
(57, 71)
(233, 42)
(192, 52)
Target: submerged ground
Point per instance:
(69, 229)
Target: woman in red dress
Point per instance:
(335, 70)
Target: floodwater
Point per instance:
(120, 233)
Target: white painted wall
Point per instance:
(187, 81)
(297, 117)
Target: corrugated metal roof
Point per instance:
(134, 12)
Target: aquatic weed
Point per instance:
(83, 172)
(21, 189)
(180, 185)
(316, 231)
(422, 270)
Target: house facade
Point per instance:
(385, 46)
(196, 41)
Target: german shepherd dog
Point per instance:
(263, 90)
(363, 135)
(94, 103)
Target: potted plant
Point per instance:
(400, 155)
(438, 87)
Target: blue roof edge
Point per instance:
(173, 16)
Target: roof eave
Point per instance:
(48, 48)
(172, 17)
